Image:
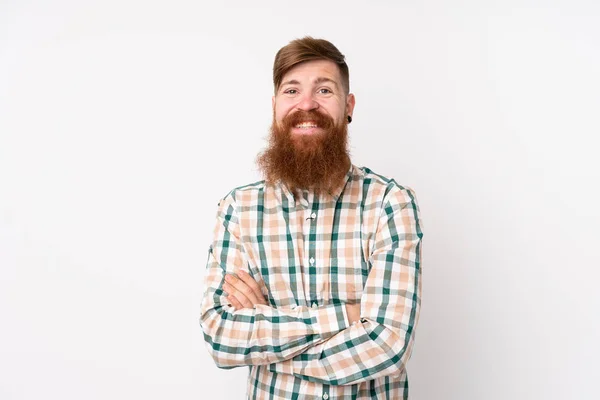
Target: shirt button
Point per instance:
(312, 260)
(313, 215)
(325, 396)
(314, 305)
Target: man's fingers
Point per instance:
(239, 296)
(236, 304)
(240, 286)
(353, 311)
(249, 280)
(243, 290)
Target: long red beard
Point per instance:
(318, 162)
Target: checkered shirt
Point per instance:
(311, 255)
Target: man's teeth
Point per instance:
(306, 125)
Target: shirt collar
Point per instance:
(334, 194)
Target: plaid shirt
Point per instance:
(312, 255)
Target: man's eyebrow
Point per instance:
(319, 80)
(324, 79)
(290, 82)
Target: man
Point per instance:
(314, 275)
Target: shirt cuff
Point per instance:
(330, 319)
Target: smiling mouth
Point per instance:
(306, 125)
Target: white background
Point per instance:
(123, 122)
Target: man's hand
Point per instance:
(243, 291)
(353, 311)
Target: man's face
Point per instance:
(308, 141)
(312, 86)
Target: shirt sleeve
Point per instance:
(264, 334)
(381, 343)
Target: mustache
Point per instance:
(321, 120)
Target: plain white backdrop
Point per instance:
(122, 123)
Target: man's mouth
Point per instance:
(306, 125)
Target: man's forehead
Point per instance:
(312, 72)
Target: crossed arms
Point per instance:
(244, 292)
(328, 344)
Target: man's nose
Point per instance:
(307, 102)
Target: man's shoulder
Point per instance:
(249, 189)
(376, 180)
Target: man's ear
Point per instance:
(273, 103)
(350, 103)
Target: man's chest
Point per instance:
(309, 255)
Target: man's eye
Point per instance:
(291, 91)
(324, 91)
